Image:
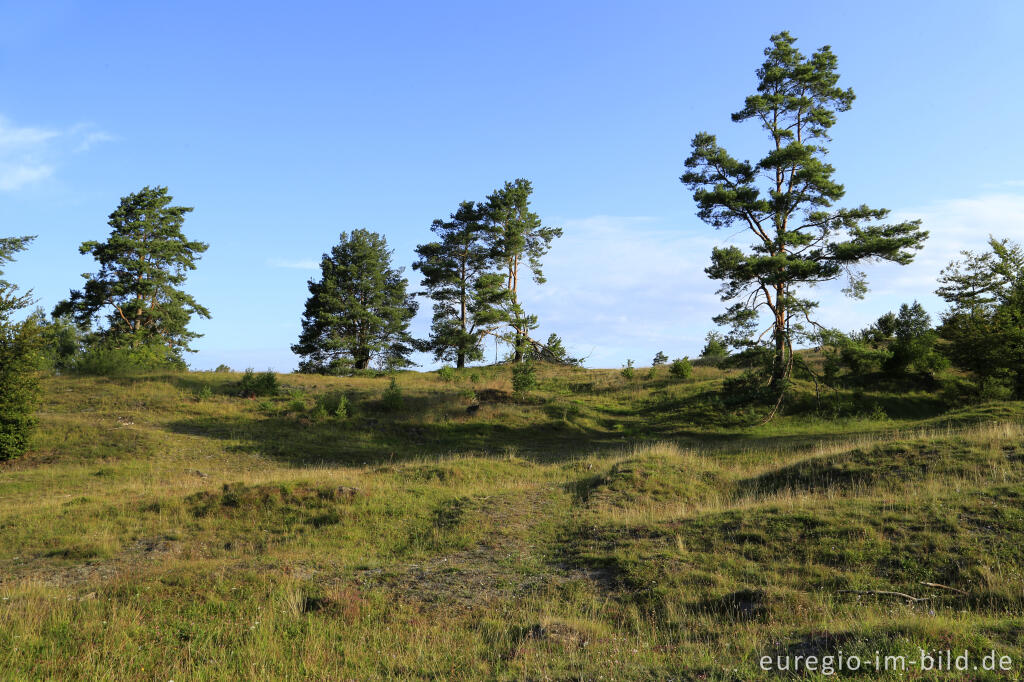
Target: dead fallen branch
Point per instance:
(887, 593)
(944, 587)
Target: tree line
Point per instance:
(360, 308)
(134, 312)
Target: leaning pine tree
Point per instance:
(459, 277)
(785, 201)
(359, 310)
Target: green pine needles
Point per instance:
(785, 201)
(460, 277)
(358, 311)
(472, 272)
(20, 356)
(143, 265)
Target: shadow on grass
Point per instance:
(371, 440)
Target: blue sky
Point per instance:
(285, 124)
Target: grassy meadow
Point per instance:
(602, 528)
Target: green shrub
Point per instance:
(334, 404)
(63, 341)
(19, 387)
(106, 359)
(659, 360)
(878, 414)
(628, 372)
(749, 387)
(524, 378)
(344, 408)
(222, 368)
(205, 393)
(262, 384)
(995, 388)
(474, 377)
(715, 349)
(447, 374)
(681, 368)
(392, 400)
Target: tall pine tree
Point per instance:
(518, 236)
(785, 201)
(459, 277)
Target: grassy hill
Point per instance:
(162, 527)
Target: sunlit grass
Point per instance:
(599, 528)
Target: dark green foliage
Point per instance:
(446, 374)
(524, 377)
(895, 345)
(262, 384)
(862, 358)
(985, 322)
(358, 311)
(659, 360)
(913, 344)
(628, 372)
(749, 387)
(392, 399)
(786, 202)
(333, 404)
(107, 357)
(63, 342)
(552, 351)
(681, 368)
(10, 300)
(518, 235)
(222, 368)
(898, 347)
(982, 280)
(883, 329)
(460, 277)
(715, 348)
(995, 387)
(20, 357)
(143, 264)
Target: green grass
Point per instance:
(162, 527)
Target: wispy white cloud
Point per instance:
(621, 287)
(15, 138)
(15, 176)
(91, 139)
(31, 154)
(294, 264)
(954, 225)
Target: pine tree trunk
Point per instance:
(460, 361)
(779, 362)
